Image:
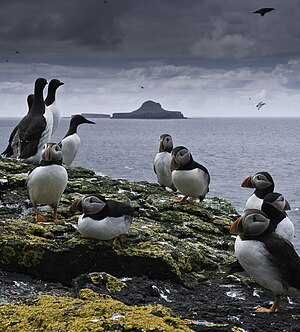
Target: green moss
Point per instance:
(30, 257)
(111, 283)
(89, 312)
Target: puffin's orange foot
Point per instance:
(265, 310)
(112, 242)
(182, 200)
(41, 218)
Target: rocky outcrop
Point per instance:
(167, 240)
(149, 110)
(174, 257)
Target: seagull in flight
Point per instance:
(263, 11)
(260, 105)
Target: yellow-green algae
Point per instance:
(111, 283)
(88, 312)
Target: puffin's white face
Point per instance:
(252, 223)
(51, 152)
(182, 157)
(260, 181)
(281, 204)
(92, 205)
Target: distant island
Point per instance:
(95, 115)
(149, 110)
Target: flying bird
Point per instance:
(263, 11)
(260, 105)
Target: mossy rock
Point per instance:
(167, 240)
(88, 312)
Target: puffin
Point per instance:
(101, 218)
(162, 162)
(34, 130)
(274, 206)
(263, 184)
(71, 141)
(267, 257)
(189, 177)
(13, 148)
(50, 103)
(47, 182)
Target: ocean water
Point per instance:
(230, 148)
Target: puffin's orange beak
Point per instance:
(234, 226)
(247, 183)
(287, 205)
(74, 206)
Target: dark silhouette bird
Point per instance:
(263, 11)
(260, 105)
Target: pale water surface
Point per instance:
(231, 149)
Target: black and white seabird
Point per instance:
(190, 178)
(263, 11)
(162, 162)
(34, 131)
(13, 148)
(50, 102)
(103, 219)
(263, 184)
(47, 182)
(71, 142)
(267, 257)
(275, 205)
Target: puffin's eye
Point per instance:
(254, 219)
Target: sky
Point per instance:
(205, 58)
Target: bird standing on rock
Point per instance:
(162, 162)
(267, 257)
(13, 148)
(190, 178)
(50, 103)
(103, 219)
(71, 142)
(34, 130)
(263, 184)
(47, 182)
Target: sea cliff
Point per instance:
(169, 273)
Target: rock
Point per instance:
(167, 240)
(88, 312)
(149, 110)
(174, 257)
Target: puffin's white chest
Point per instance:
(162, 167)
(46, 184)
(286, 229)
(105, 229)
(254, 202)
(70, 146)
(192, 183)
(255, 259)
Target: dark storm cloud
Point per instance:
(210, 29)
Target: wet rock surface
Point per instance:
(174, 255)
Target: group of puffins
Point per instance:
(264, 233)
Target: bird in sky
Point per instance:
(260, 105)
(263, 11)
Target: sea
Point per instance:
(230, 148)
